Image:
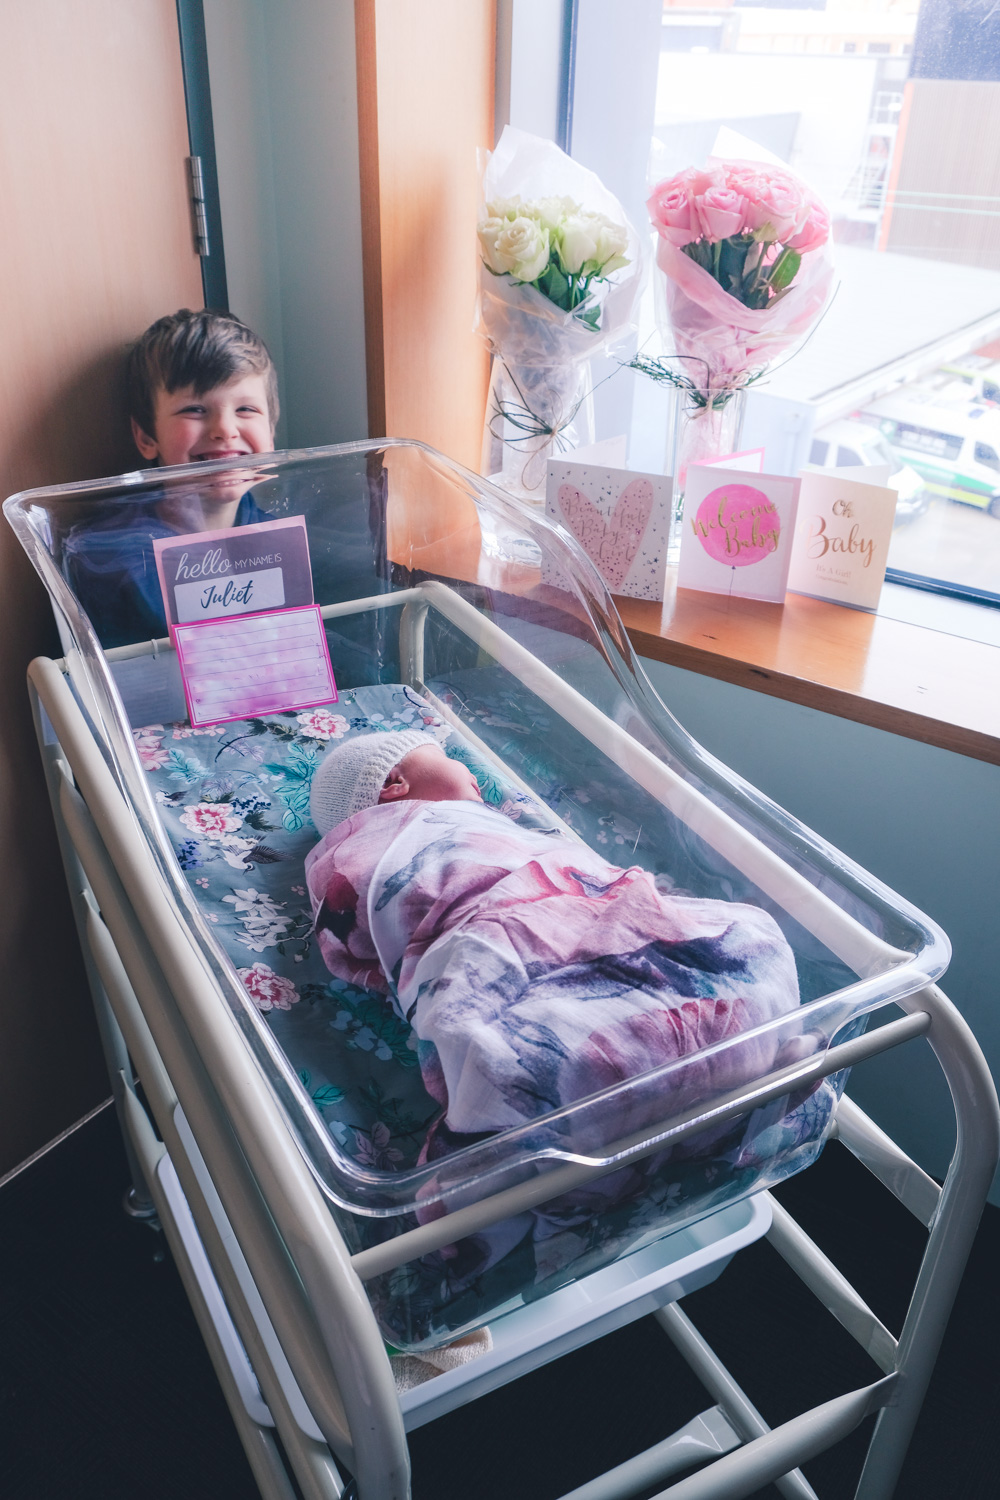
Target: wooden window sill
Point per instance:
(913, 680)
(909, 679)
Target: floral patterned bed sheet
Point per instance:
(234, 799)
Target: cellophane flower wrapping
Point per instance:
(541, 376)
(717, 340)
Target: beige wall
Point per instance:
(425, 104)
(96, 244)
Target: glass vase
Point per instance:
(703, 428)
(534, 413)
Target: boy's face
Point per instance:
(229, 421)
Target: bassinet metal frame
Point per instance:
(281, 1302)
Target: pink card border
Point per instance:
(727, 458)
(161, 543)
(277, 707)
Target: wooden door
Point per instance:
(96, 243)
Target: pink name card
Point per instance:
(258, 664)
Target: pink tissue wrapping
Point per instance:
(713, 327)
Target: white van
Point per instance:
(972, 378)
(849, 443)
(955, 450)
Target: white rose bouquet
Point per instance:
(558, 282)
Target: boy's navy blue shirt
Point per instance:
(110, 566)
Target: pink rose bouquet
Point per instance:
(744, 251)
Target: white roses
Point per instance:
(553, 241)
(518, 247)
(591, 244)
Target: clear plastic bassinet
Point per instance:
(434, 617)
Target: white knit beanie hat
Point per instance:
(351, 775)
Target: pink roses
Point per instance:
(673, 206)
(744, 249)
(738, 198)
(814, 232)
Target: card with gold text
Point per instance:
(842, 539)
(736, 532)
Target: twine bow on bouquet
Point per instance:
(557, 284)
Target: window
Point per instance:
(987, 455)
(923, 440)
(848, 456)
(872, 106)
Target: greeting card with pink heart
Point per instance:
(736, 534)
(620, 519)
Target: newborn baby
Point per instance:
(532, 971)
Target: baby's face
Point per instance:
(427, 775)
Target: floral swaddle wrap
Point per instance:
(533, 972)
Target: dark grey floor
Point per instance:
(106, 1392)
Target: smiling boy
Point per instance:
(201, 387)
(180, 362)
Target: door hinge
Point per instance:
(199, 215)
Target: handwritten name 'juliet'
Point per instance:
(213, 596)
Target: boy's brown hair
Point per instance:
(201, 349)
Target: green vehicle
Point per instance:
(955, 450)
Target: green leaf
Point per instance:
(327, 1095)
(185, 767)
(784, 270)
(701, 252)
(555, 285)
(732, 260)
